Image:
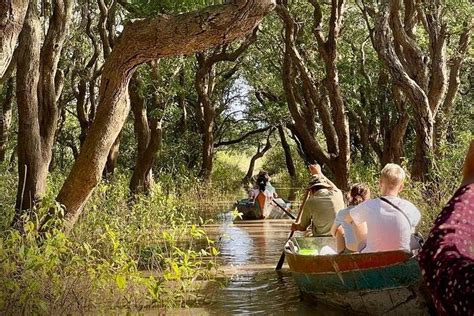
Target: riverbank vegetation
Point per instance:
(126, 126)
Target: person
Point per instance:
(319, 210)
(390, 219)
(263, 192)
(447, 257)
(346, 241)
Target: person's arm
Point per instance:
(305, 219)
(315, 170)
(334, 228)
(356, 218)
(360, 232)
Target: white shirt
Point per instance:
(387, 228)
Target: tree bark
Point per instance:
(142, 41)
(12, 16)
(290, 165)
(448, 105)
(6, 117)
(422, 77)
(324, 97)
(39, 85)
(149, 135)
(259, 154)
(85, 107)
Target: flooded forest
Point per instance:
(131, 129)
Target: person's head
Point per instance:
(358, 194)
(262, 179)
(392, 178)
(317, 183)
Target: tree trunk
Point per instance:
(207, 150)
(142, 41)
(326, 96)
(182, 102)
(290, 166)
(142, 178)
(32, 167)
(39, 85)
(6, 117)
(12, 16)
(421, 76)
(423, 161)
(149, 135)
(259, 154)
(206, 109)
(112, 158)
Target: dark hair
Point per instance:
(262, 182)
(358, 194)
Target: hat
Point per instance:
(318, 181)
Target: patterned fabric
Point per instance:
(447, 257)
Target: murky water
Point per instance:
(249, 253)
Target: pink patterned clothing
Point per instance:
(447, 257)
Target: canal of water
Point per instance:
(249, 253)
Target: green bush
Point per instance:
(103, 262)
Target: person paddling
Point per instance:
(320, 209)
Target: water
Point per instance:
(249, 253)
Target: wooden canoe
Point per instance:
(251, 210)
(369, 283)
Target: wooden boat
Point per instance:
(369, 283)
(252, 210)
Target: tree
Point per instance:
(143, 41)
(207, 108)
(6, 116)
(12, 16)
(259, 154)
(39, 86)
(421, 74)
(307, 96)
(290, 165)
(148, 122)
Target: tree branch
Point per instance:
(242, 138)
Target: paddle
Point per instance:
(282, 257)
(284, 210)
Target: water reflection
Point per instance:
(249, 253)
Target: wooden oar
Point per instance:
(284, 210)
(282, 257)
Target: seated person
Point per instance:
(319, 210)
(447, 257)
(263, 192)
(390, 219)
(345, 239)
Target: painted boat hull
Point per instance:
(372, 283)
(251, 211)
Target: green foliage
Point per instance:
(151, 8)
(274, 163)
(226, 174)
(429, 197)
(102, 263)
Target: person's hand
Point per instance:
(315, 169)
(294, 227)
